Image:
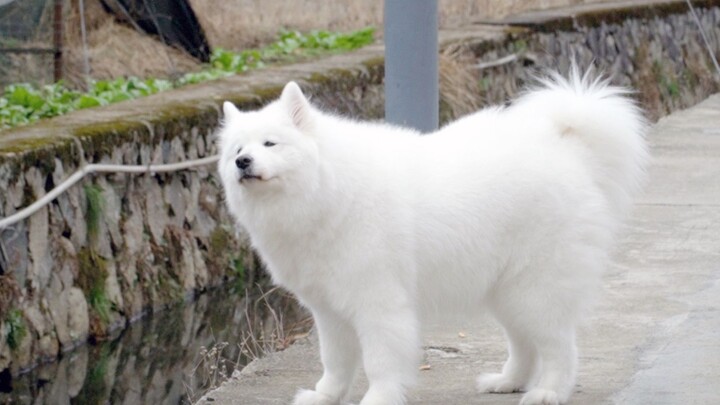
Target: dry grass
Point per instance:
(268, 326)
(116, 50)
(273, 321)
(23, 67)
(458, 82)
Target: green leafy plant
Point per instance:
(22, 104)
(16, 329)
(291, 42)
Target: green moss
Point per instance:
(268, 93)
(95, 203)
(22, 145)
(657, 69)
(690, 78)
(244, 101)
(169, 289)
(175, 119)
(344, 78)
(377, 62)
(92, 272)
(375, 69)
(102, 138)
(519, 45)
(99, 301)
(319, 78)
(667, 80)
(484, 84)
(220, 246)
(513, 30)
(167, 122)
(239, 274)
(40, 152)
(118, 127)
(673, 88)
(219, 241)
(169, 263)
(15, 328)
(95, 389)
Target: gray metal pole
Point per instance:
(411, 63)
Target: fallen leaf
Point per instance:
(425, 367)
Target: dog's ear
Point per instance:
(230, 111)
(296, 105)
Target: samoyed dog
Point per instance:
(376, 228)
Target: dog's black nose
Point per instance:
(243, 162)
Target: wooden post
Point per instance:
(57, 39)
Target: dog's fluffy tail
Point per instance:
(605, 120)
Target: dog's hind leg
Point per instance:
(558, 355)
(539, 317)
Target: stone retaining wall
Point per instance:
(658, 52)
(116, 246)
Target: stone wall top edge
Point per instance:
(595, 14)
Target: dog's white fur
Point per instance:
(374, 227)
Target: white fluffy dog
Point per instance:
(375, 227)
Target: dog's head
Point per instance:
(273, 149)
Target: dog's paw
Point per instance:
(539, 396)
(497, 383)
(310, 397)
(384, 395)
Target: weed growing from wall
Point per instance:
(15, 329)
(93, 197)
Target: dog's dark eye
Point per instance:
(269, 144)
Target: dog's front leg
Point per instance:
(340, 354)
(390, 342)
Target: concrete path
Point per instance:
(655, 338)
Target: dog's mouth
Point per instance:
(249, 177)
